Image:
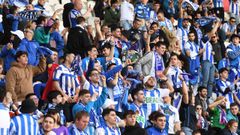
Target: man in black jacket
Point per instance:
(132, 127)
(78, 40)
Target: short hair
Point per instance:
(232, 18)
(83, 92)
(19, 54)
(53, 49)
(107, 111)
(81, 114)
(91, 47)
(161, 43)
(29, 95)
(222, 70)
(135, 91)
(233, 104)
(115, 27)
(160, 12)
(50, 116)
(66, 54)
(40, 19)
(128, 112)
(230, 123)
(53, 94)
(80, 19)
(154, 23)
(191, 32)
(200, 88)
(114, 1)
(90, 72)
(153, 115)
(158, 115)
(3, 94)
(106, 45)
(110, 65)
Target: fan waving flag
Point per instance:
(193, 5)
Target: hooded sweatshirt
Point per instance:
(19, 79)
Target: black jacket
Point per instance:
(78, 41)
(134, 130)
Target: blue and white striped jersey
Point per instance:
(105, 130)
(218, 3)
(73, 14)
(153, 100)
(73, 130)
(234, 8)
(20, 125)
(67, 79)
(207, 54)
(5, 120)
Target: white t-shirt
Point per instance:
(127, 11)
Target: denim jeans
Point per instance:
(208, 70)
(126, 24)
(187, 130)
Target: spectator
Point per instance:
(131, 126)
(112, 14)
(48, 125)
(80, 124)
(232, 53)
(19, 77)
(38, 115)
(109, 116)
(127, 14)
(78, 39)
(91, 104)
(231, 128)
(233, 112)
(9, 50)
(144, 64)
(137, 105)
(224, 87)
(201, 98)
(76, 12)
(63, 72)
(173, 123)
(19, 126)
(159, 123)
(229, 27)
(217, 115)
(58, 128)
(5, 99)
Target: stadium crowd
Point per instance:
(119, 67)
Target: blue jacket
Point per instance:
(56, 36)
(31, 48)
(8, 56)
(156, 131)
(14, 20)
(234, 55)
(91, 108)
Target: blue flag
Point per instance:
(205, 20)
(18, 3)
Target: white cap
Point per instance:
(145, 79)
(18, 33)
(108, 102)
